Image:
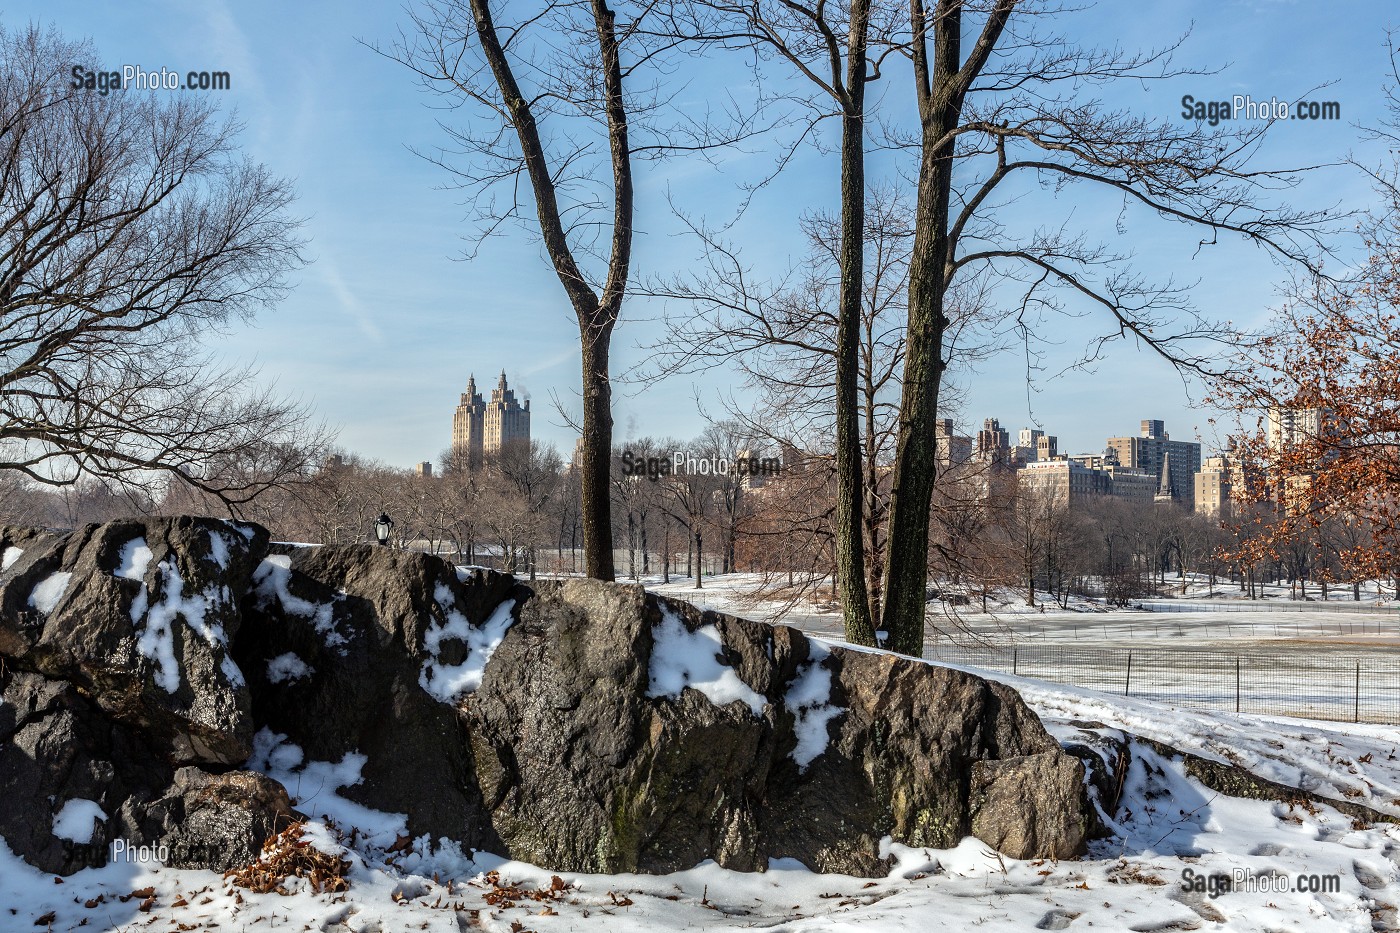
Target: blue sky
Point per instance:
(387, 321)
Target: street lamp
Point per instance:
(383, 526)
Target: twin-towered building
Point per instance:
(480, 427)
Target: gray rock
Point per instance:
(151, 644)
(56, 747)
(1031, 806)
(583, 771)
(587, 742)
(356, 617)
(210, 821)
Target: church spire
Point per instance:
(1164, 488)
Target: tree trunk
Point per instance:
(698, 552)
(930, 266)
(595, 506)
(850, 494)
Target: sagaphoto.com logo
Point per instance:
(136, 78)
(1244, 107)
(683, 463)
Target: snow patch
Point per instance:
(49, 592)
(77, 820)
(449, 682)
(809, 698)
(133, 560)
(272, 583)
(681, 658)
(245, 530)
(155, 625)
(313, 785)
(287, 667)
(218, 549)
(8, 557)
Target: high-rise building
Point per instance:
(1289, 427)
(1065, 482)
(993, 442)
(1213, 486)
(1129, 483)
(1153, 450)
(481, 428)
(952, 448)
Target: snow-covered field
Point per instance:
(1296, 658)
(1138, 880)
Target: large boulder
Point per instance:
(151, 667)
(65, 769)
(73, 782)
(335, 645)
(141, 614)
(615, 731)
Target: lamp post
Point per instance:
(383, 527)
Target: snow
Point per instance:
(218, 549)
(155, 625)
(77, 820)
(8, 557)
(809, 698)
(49, 592)
(1134, 881)
(313, 785)
(681, 658)
(1168, 823)
(243, 529)
(287, 667)
(132, 561)
(450, 682)
(1314, 756)
(272, 581)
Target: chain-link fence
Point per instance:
(1351, 688)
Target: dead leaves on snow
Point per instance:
(288, 855)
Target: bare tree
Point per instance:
(1012, 106)
(784, 337)
(828, 48)
(130, 228)
(551, 88)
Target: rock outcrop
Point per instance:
(151, 669)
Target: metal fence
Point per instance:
(1098, 627)
(1370, 607)
(1351, 688)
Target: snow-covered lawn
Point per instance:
(1169, 825)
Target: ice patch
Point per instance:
(287, 667)
(9, 556)
(49, 592)
(681, 658)
(313, 786)
(272, 582)
(809, 698)
(449, 682)
(133, 560)
(76, 820)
